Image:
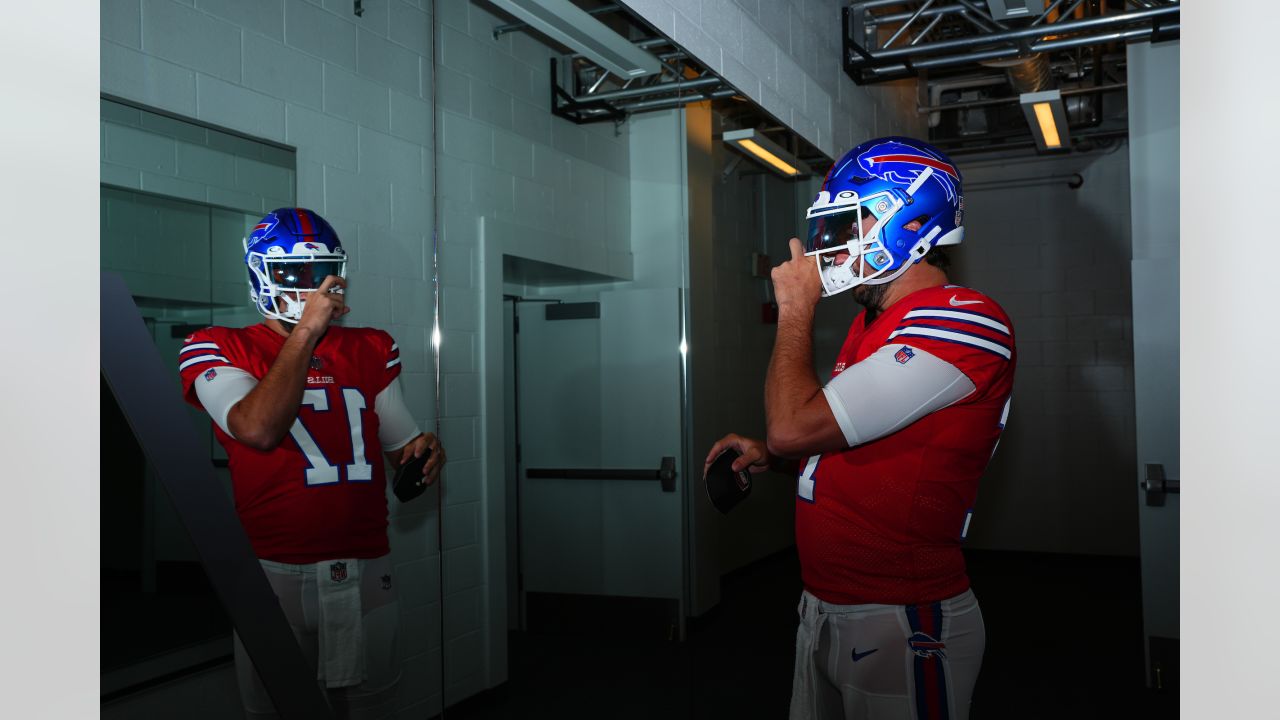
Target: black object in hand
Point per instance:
(409, 481)
(725, 487)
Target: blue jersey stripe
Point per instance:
(958, 331)
(926, 317)
(907, 332)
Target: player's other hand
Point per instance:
(324, 305)
(796, 282)
(753, 453)
(420, 445)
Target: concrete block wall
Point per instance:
(785, 55)
(353, 96)
(141, 150)
(1057, 259)
(537, 187)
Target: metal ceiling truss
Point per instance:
(921, 35)
(584, 92)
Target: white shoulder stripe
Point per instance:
(198, 346)
(956, 337)
(201, 359)
(961, 315)
(393, 363)
(395, 347)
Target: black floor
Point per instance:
(1064, 640)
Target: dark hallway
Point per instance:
(1064, 640)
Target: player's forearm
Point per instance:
(263, 418)
(790, 386)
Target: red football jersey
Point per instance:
(321, 493)
(882, 522)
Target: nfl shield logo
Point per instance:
(903, 355)
(315, 363)
(338, 572)
(210, 375)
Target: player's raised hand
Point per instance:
(754, 453)
(797, 282)
(326, 304)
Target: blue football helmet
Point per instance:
(289, 253)
(894, 180)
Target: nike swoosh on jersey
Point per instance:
(958, 303)
(858, 656)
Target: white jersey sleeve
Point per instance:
(225, 388)
(891, 389)
(396, 426)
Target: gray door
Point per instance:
(601, 393)
(1155, 371)
(1153, 171)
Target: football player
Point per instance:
(891, 448)
(305, 410)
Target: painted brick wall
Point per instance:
(144, 151)
(1057, 259)
(547, 190)
(785, 55)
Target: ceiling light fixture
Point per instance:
(764, 150)
(1047, 116)
(570, 25)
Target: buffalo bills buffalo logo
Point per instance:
(924, 645)
(898, 163)
(267, 225)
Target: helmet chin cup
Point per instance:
(292, 306)
(837, 278)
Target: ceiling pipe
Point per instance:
(873, 20)
(663, 103)
(937, 88)
(1014, 100)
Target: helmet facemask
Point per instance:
(291, 277)
(835, 228)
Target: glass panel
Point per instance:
(176, 201)
(155, 596)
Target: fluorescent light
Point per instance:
(1047, 116)
(569, 24)
(766, 151)
(1048, 128)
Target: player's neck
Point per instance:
(918, 277)
(280, 327)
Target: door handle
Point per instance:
(665, 474)
(1157, 485)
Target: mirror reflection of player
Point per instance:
(888, 453)
(302, 405)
